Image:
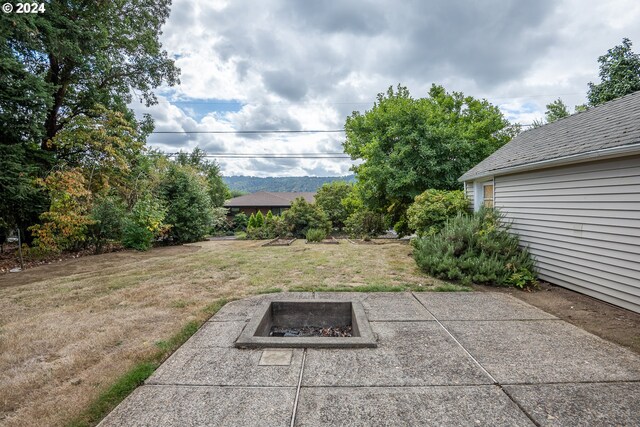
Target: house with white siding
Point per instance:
(571, 191)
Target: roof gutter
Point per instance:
(602, 154)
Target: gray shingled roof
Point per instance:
(613, 124)
(264, 198)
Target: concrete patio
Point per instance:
(442, 359)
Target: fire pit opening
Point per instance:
(300, 323)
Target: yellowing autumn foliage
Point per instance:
(64, 225)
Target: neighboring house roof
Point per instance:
(264, 198)
(608, 128)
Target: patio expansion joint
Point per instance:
(217, 385)
(495, 382)
(572, 382)
(402, 321)
(524, 411)
(297, 398)
(457, 342)
(444, 385)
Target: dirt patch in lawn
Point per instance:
(600, 318)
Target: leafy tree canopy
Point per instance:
(555, 110)
(619, 74)
(216, 187)
(188, 204)
(409, 145)
(329, 198)
(60, 64)
(303, 216)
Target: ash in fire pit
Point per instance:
(311, 331)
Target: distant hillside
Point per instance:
(252, 184)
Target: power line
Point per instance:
(246, 131)
(232, 155)
(267, 156)
(278, 157)
(226, 153)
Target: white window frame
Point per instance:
(478, 193)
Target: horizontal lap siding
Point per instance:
(469, 193)
(582, 224)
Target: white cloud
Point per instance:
(308, 65)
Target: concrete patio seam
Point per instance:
(223, 385)
(402, 321)
(515, 402)
(495, 382)
(573, 382)
(444, 385)
(297, 398)
(456, 340)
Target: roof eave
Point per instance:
(559, 161)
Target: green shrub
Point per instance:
(220, 225)
(431, 209)
(302, 216)
(144, 224)
(137, 236)
(240, 221)
(316, 235)
(275, 226)
(259, 219)
(252, 221)
(188, 203)
(255, 233)
(108, 215)
(364, 224)
(476, 249)
(330, 199)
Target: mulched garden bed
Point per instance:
(311, 331)
(362, 242)
(279, 241)
(328, 241)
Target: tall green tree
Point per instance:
(21, 200)
(216, 188)
(83, 53)
(188, 205)
(409, 145)
(619, 74)
(329, 198)
(103, 144)
(555, 110)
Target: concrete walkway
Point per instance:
(442, 359)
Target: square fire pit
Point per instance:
(314, 323)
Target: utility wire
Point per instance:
(247, 131)
(223, 156)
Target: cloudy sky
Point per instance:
(306, 65)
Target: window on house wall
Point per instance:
(487, 195)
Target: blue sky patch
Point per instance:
(198, 108)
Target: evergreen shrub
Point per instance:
(476, 249)
(316, 235)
